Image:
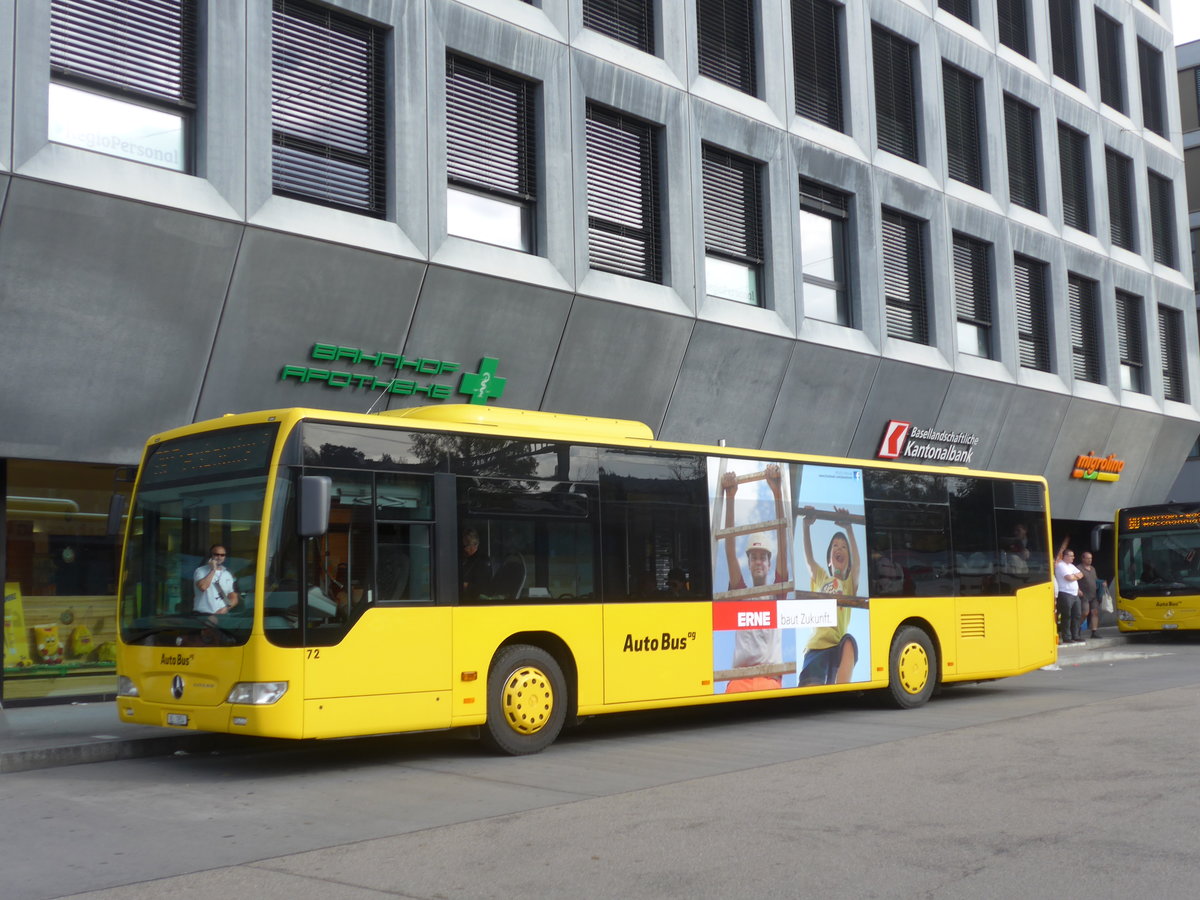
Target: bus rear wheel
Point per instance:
(912, 668)
(527, 701)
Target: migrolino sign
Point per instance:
(413, 375)
(1096, 468)
(902, 440)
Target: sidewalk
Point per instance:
(40, 737)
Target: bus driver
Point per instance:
(216, 590)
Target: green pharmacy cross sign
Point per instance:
(480, 386)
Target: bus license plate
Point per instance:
(177, 719)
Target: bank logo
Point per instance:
(895, 435)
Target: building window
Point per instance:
(123, 78)
(726, 43)
(327, 109)
(1033, 333)
(628, 21)
(895, 94)
(1020, 129)
(1130, 343)
(963, 155)
(624, 233)
(1162, 218)
(1112, 62)
(1064, 49)
(1150, 68)
(973, 295)
(1012, 18)
(904, 277)
(959, 8)
(1189, 98)
(824, 220)
(1085, 337)
(1170, 342)
(1196, 260)
(733, 230)
(817, 61)
(1120, 198)
(1073, 166)
(491, 158)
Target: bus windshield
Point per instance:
(1159, 561)
(196, 494)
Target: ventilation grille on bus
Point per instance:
(972, 625)
(1027, 495)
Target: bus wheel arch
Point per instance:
(530, 696)
(913, 665)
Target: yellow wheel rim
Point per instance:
(528, 700)
(913, 668)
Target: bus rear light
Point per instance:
(126, 687)
(258, 693)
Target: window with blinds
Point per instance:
(817, 61)
(1085, 328)
(733, 228)
(895, 93)
(1073, 169)
(1112, 62)
(726, 43)
(1120, 198)
(1029, 296)
(622, 194)
(1020, 132)
(123, 78)
(1012, 19)
(959, 8)
(973, 295)
(491, 158)
(1162, 218)
(328, 121)
(628, 21)
(824, 219)
(1170, 344)
(1064, 47)
(964, 157)
(1150, 70)
(1130, 342)
(904, 277)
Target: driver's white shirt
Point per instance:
(211, 600)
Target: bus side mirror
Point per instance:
(313, 510)
(116, 512)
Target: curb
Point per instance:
(29, 759)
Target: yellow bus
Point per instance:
(1158, 567)
(301, 573)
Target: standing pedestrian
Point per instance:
(1066, 583)
(1089, 594)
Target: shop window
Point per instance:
(123, 78)
(60, 579)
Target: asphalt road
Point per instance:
(1080, 782)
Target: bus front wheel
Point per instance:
(527, 701)
(912, 669)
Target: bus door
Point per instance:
(372, 629)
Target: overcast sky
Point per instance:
(1186, 19)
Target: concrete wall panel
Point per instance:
(820, 401)
(463, 316)
(975, 405)
(1028, 431)
(617, 361)
(726, 387)
(900, 391)
(109, 310)
(1133, 437)
(289, 292)
(1084, 424)
(1163, 460)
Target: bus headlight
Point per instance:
(1124, 615)
(126, 687)
(258, 693)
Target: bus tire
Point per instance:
(526, 701)
(912, 667)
